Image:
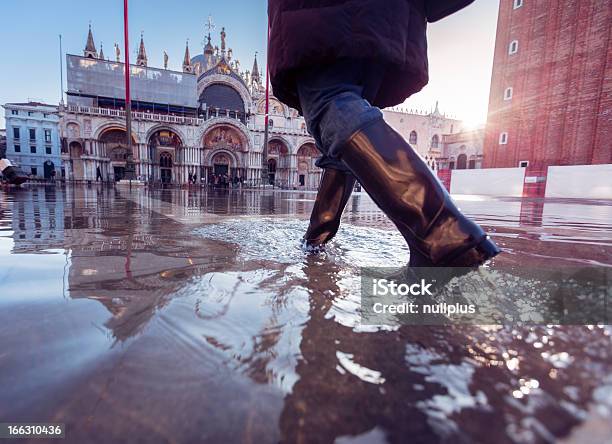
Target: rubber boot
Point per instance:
(407, 191)
(335, 189)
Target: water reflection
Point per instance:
(189, 316)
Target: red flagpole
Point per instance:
(128, 99)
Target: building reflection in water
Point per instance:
(129, 260)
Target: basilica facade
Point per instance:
(203, 122)
(194, 125)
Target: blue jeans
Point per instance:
(335, 101)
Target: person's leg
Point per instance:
(393, 174)
(334, 192)
(337, 182)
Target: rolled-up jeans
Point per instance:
(335, 101)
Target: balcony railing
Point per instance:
(166, 118)
(280, 130)
(136, 115)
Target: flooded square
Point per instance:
(139, 315)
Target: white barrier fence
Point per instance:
(580, 181)
(576, 182)
(488, 182)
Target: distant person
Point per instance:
(337, 62)
(98, 174)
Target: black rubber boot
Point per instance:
(407, 191)
(334, 191)
(14, 177)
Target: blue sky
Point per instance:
(460, 47)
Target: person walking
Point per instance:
(359, 56)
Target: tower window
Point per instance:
(503, 138)
(14, 112)
(518, 4)
(523, 164)
(513, 48)
(508, 93)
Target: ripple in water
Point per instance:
(279, 240)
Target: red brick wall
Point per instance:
(561, 109)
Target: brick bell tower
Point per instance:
(551, 89)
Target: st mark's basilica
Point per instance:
(192, 125)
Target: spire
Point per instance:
(90, 48)
(209, 49)
(255, 71)
(187, 67)
(101, 51)
(141, 59)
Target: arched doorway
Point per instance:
(278, 151)
(308, 173)
(163, 145)
(49, 169)
(229, 142)
(222, 164)
(461, 162)
(271, 171)
(165, 167)
(114, 144)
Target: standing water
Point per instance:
(195, 316)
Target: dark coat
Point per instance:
(305, 33)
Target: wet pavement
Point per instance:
(194, 316)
